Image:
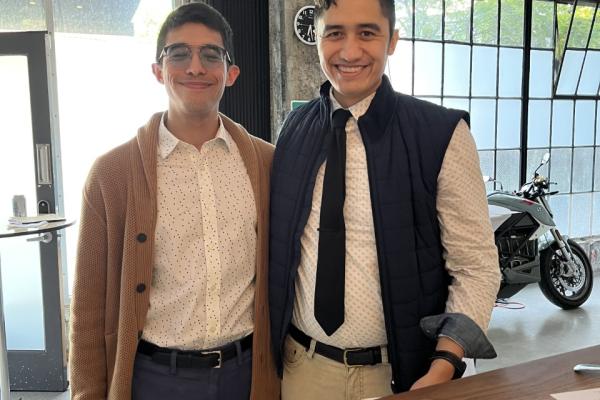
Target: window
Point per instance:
(471, 55)
(106, 90)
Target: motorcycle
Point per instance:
(530, 247)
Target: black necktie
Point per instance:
(329, 288)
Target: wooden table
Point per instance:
(534, 380)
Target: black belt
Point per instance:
(351, 357)
(193, 358)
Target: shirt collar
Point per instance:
(357, 110)
(167, 141)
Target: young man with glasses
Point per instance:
(170, 292)
(383, 269)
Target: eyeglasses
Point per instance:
(179, 55)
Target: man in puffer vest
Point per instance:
(383, 269)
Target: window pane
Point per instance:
(434, 100)
(456, 70)
(538, 125)
(560, 169)
(428, 68)
(563, 20)
(511, 27)
(458, 104)
(458, 20)
(22, 16)
(509, 124)
(543, 21)
(597, 172)
(115, 80)
(584, 122)
(20, 269)
(404, 13)
(511, 67)
(581, 215)
(486, 161)
(597, 123)
(428, 19)
(485, 21)
(582, 23)
(483, 116)
(583, 161)
(96, 17)
(484, 71)
(534, 158)
(596, 215)
(560, 209)
(562, 123)
(590, 78)
(508, 168)
(569, 73)
(400, 65)
(540, 75)
(595, 39)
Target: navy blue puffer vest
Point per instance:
(405, 141)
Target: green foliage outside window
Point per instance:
(428, 22)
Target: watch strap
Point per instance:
(458, 364)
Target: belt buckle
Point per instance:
(346, 351)
(219, 353)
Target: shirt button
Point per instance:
(140, 288)
(141, 237)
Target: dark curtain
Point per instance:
(249, 100)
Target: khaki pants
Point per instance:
(310, 376)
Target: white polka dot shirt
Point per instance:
(202, 292)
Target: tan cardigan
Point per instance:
(114, 265)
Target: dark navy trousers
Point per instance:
(153, 381)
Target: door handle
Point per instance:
(45, 237)
(44, 174)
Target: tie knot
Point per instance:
(339, 118)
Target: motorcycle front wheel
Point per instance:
(560, 287)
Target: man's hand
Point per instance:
(440, 370)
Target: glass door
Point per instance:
(31, 270)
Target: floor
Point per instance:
(537, 330)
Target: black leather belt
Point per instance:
(193, 358)
(350, 357)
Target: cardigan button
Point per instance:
(140, 288)
(140, 334)
(141, 237)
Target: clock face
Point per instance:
(304, 25)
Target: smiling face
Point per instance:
(194, 90)
(353, 41)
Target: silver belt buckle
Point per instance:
(219, 353)
(346, 359)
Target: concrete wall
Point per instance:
(295, 71)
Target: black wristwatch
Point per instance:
(458, 364)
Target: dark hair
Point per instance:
(387, 7)
(197, 13)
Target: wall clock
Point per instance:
(304, 25)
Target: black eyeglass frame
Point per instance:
(224, 51)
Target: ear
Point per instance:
(157, 71)
(232, 74)
(393, 42)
